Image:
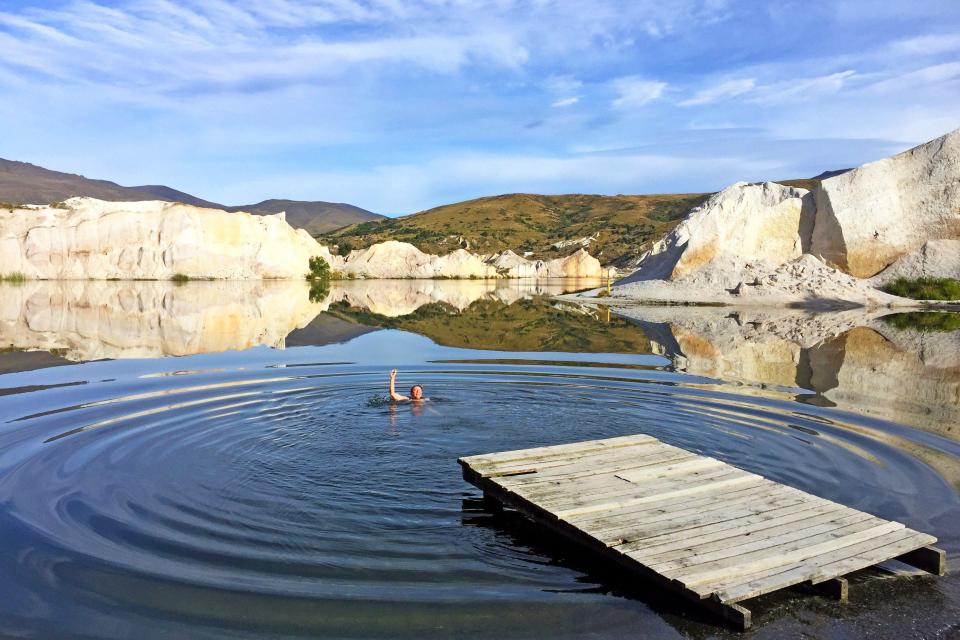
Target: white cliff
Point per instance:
(392, 259)
(579, 264)
(871, 216)
(744, 223)
(769, 244)
(94, 239)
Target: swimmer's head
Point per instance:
(416, 392)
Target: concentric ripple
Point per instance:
(295, 501)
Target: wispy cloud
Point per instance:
(565, 102)
(726, 89)
(635, 91)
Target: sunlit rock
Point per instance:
(869, 217)
(394, 259)
(743, 223)
(94, 239)
(579, 264)
(935, 258)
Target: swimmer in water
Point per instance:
(416, 391)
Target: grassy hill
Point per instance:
(623, 225)
(22, 182)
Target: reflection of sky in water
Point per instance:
(270, 486)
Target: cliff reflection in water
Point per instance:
(891, 366)
(92, 320)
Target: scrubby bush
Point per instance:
(180, 277)
(14, 276)
(925, 288)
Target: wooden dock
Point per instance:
(708, 530)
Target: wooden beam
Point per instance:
(836, 588)
(930, 559)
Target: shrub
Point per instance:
(180, 277)
(925, 288)
(344, 248)
(14, 276)
(319, 269)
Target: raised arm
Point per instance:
(396, 397)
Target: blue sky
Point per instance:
(400, 105)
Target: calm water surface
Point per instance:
(260, 486)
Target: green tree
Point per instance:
(319, 269)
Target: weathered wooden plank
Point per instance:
(573, 469)
(630, 530)
(709, 484)
(560, 450)
(756, 490)
(611, 486)
(771, 557)
(800, 536)
(819, 569)
(559, 465)
(731, 540)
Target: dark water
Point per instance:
(247, 491)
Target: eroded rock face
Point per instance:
(94, 239)
(935, 258)
(392, 259)
(765, 223)
(869, 217)
(577, 265)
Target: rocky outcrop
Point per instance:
(871, 216)
(392, 259)
(744, 223)
(935, 258)
(577, 265)
(95, 239)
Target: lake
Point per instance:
(218, 459)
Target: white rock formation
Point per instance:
(577, 265)
(94, 239)
(935, 258)
(745, 223)
(869, 217)
(392, 259)
(509, 263)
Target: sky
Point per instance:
(401, 105)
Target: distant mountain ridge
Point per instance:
(22, 182)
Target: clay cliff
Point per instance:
(871, 216)
(772, 244)
(95, 239)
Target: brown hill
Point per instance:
(22, 182)
(622, 226)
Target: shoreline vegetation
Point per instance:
(940, 289)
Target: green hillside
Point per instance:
(623, 225)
